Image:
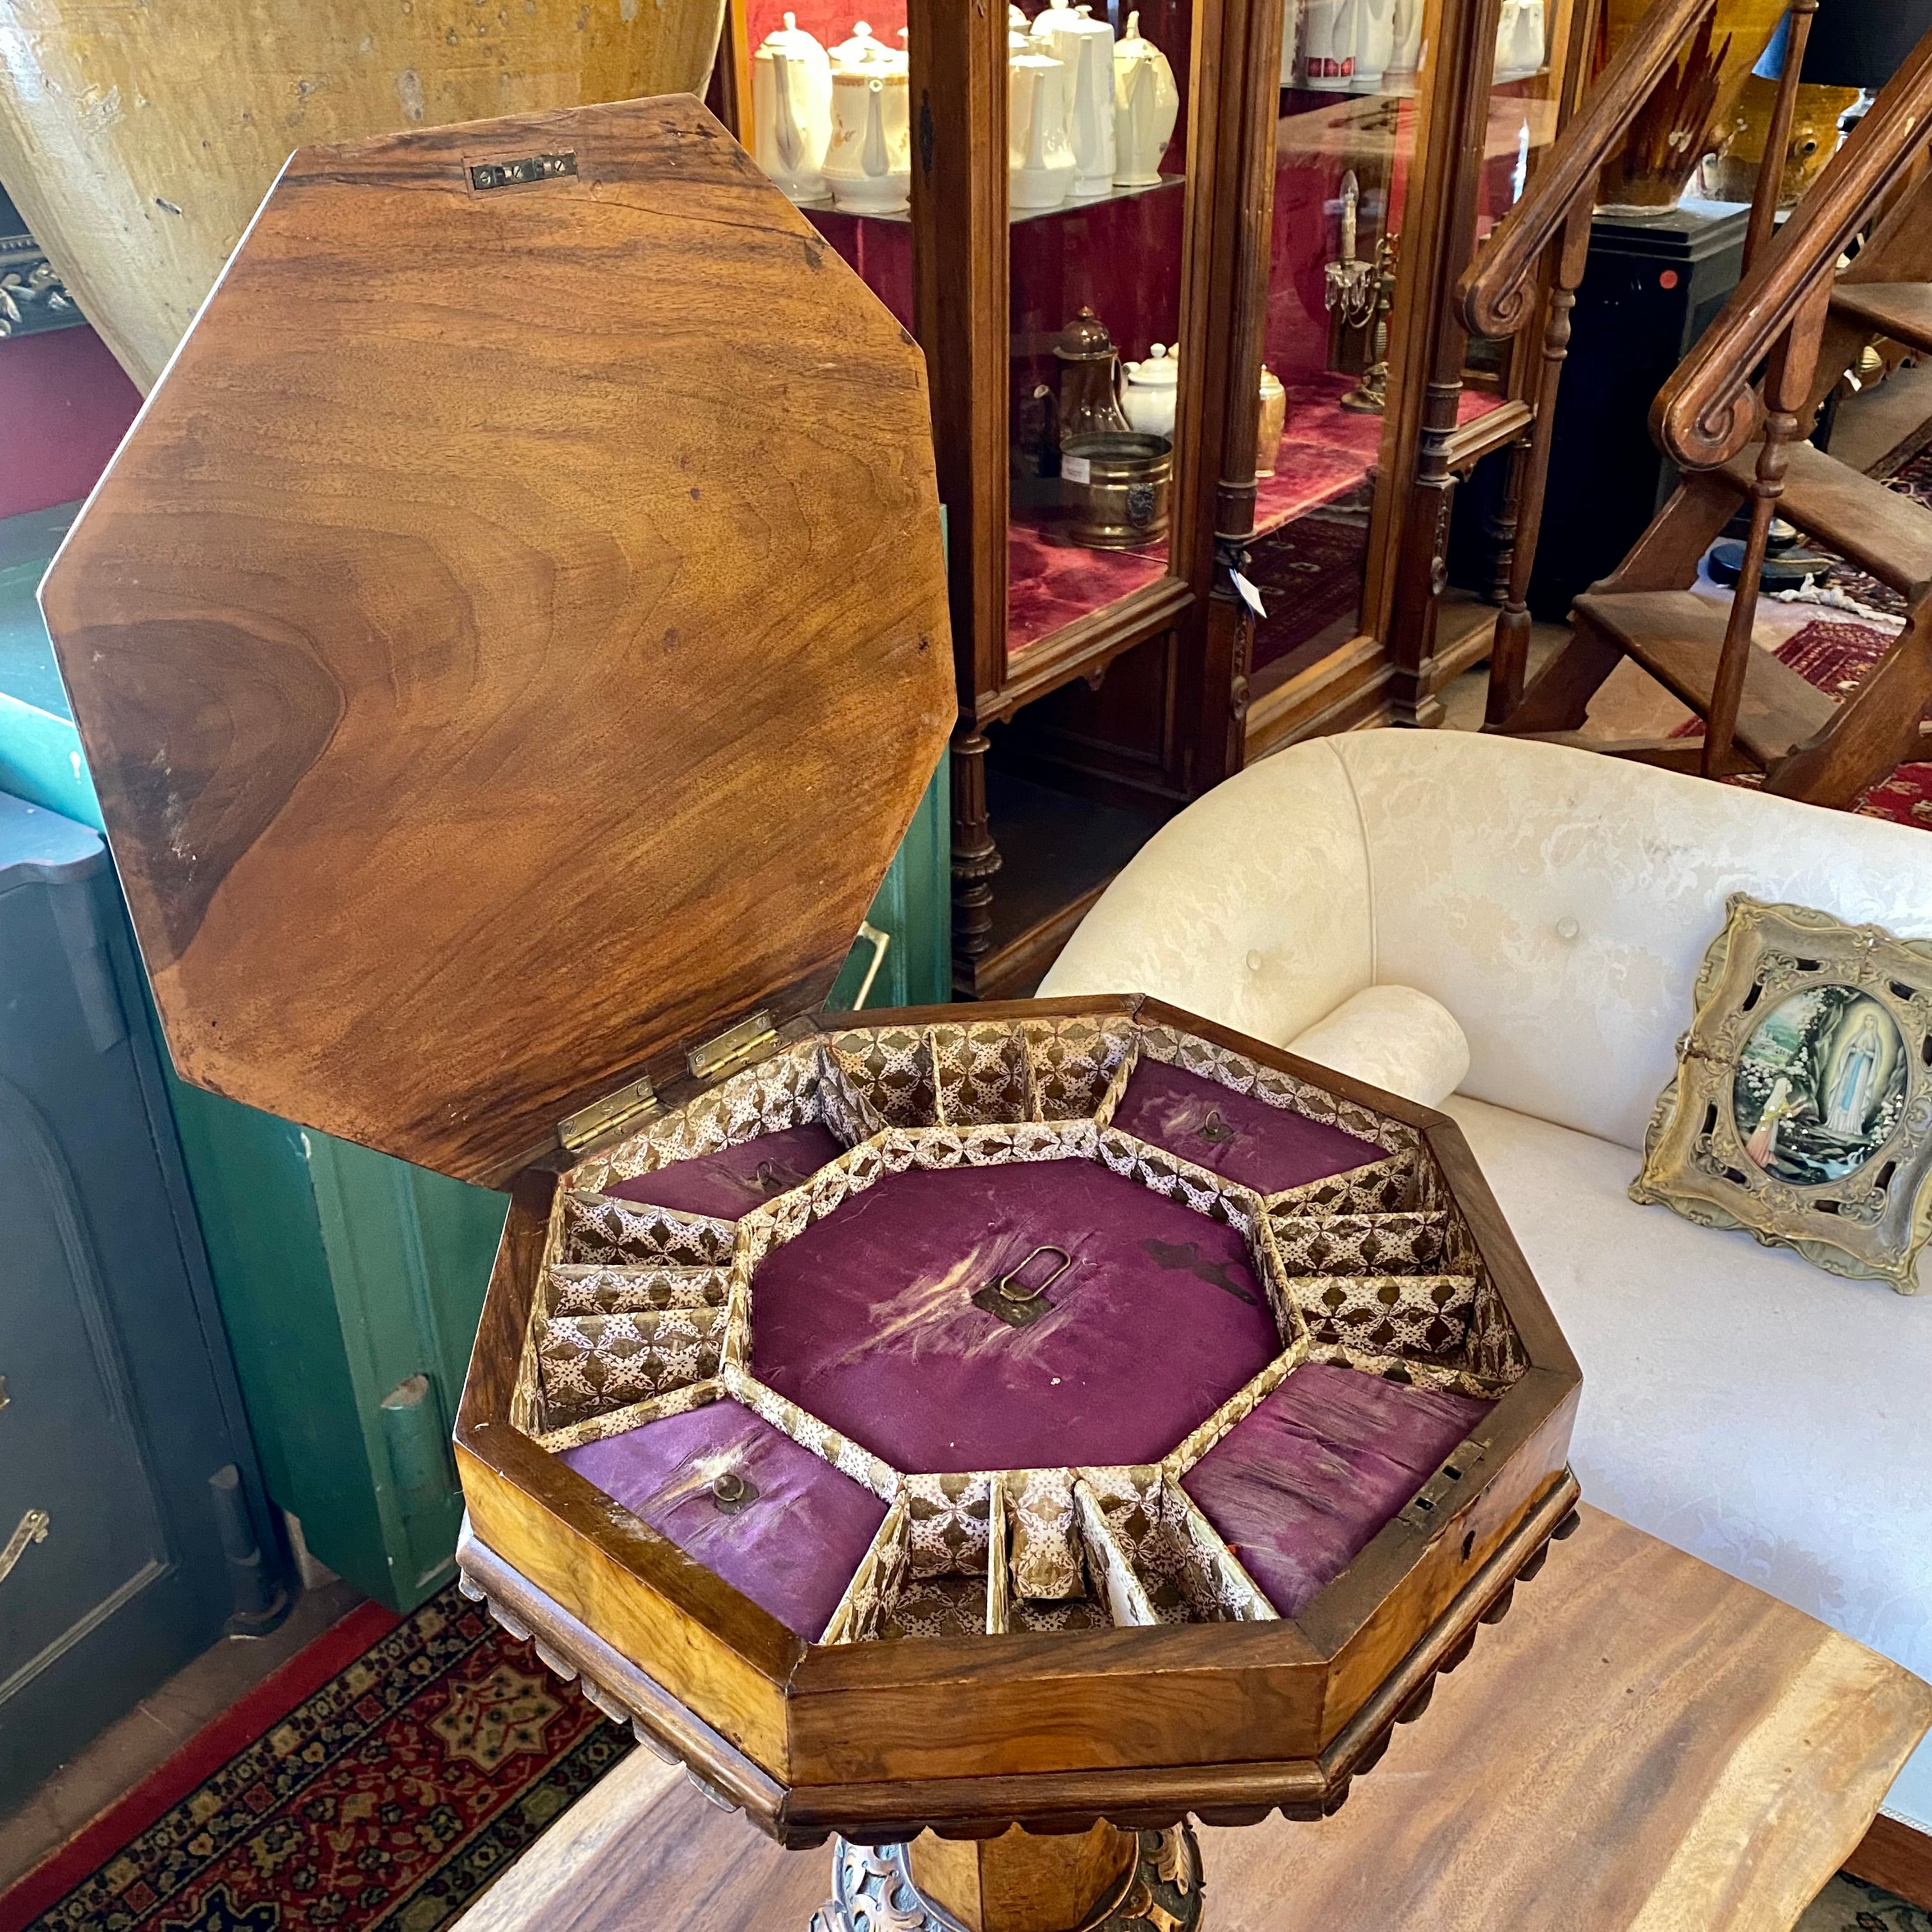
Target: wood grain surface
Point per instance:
(1650, 1746)
(139, 141)
(512, 642)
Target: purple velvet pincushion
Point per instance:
(792, 1549)
(1268, 1149)
(1299, 1486)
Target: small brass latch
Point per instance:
(731, 1492)
(1008, 1297)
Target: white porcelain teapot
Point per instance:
(868, 160)
(791, 110)
(1153, 389)
(1039, 159)
(1084, 48)
(1147, 104)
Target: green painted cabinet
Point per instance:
(349, 1282)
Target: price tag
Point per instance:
(1076, 469)
(1248, 595)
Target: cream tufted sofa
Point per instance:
(1772, 1419)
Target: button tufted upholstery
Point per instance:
(1767, 1417)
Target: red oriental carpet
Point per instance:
(381, 1794)
(1834, 655)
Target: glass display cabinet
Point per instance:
(1182, 273)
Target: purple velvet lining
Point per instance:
(792, 1550)
(1300, 1487)
(867, 1319)
(1263, 1147)
(728, 1183)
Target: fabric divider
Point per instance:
(1184, 1570)
(575, 1290)
(592, 1362)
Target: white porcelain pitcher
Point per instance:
(791, 110)
(1084, 48)
(1147, 103)
(1039, 159)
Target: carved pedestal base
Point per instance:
(1134, 1882)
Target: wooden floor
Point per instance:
(1644, 1745)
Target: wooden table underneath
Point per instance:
(1644, 1744)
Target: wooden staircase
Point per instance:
(1732, 418)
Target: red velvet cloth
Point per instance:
(67, 403)
(733, 1181)
(792, 1549)
(1300, 1487)
(1051, 582)
(867, 1319)
(1263, 1147)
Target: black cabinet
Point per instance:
(1654, 284)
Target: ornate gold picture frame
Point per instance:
(1801, 1111)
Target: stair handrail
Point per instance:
(1497, 294)
(1709, 409)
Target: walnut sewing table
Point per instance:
(1644, 1743)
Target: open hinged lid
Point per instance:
(512, 640)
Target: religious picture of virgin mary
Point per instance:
(1820, 1086)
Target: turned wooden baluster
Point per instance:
(1778, 140)
(1787, 386)
(1509, 655)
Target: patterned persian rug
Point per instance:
(384, 1801)
(1834, 654)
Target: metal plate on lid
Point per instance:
(512, 640)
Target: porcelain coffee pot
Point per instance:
(1374, 43)
(1147, 104)
(1084, 48)
(1519, 38)
(1039, 161)
(791, 97)
(1328, 41)
(869, 160)
(1405, 52)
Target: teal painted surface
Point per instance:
(914, 905)
(343, 1275)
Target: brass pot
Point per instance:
(1693, 110)
(1114, 487)
(139, 141)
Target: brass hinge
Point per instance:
(609, 1115)
(734, 1047)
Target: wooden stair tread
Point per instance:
(1902, 310)
(1884, 533)
(1677, 636)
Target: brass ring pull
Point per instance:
(767, 1176)
(1215, 1129)
(1011, 1288)
(731, 1492)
